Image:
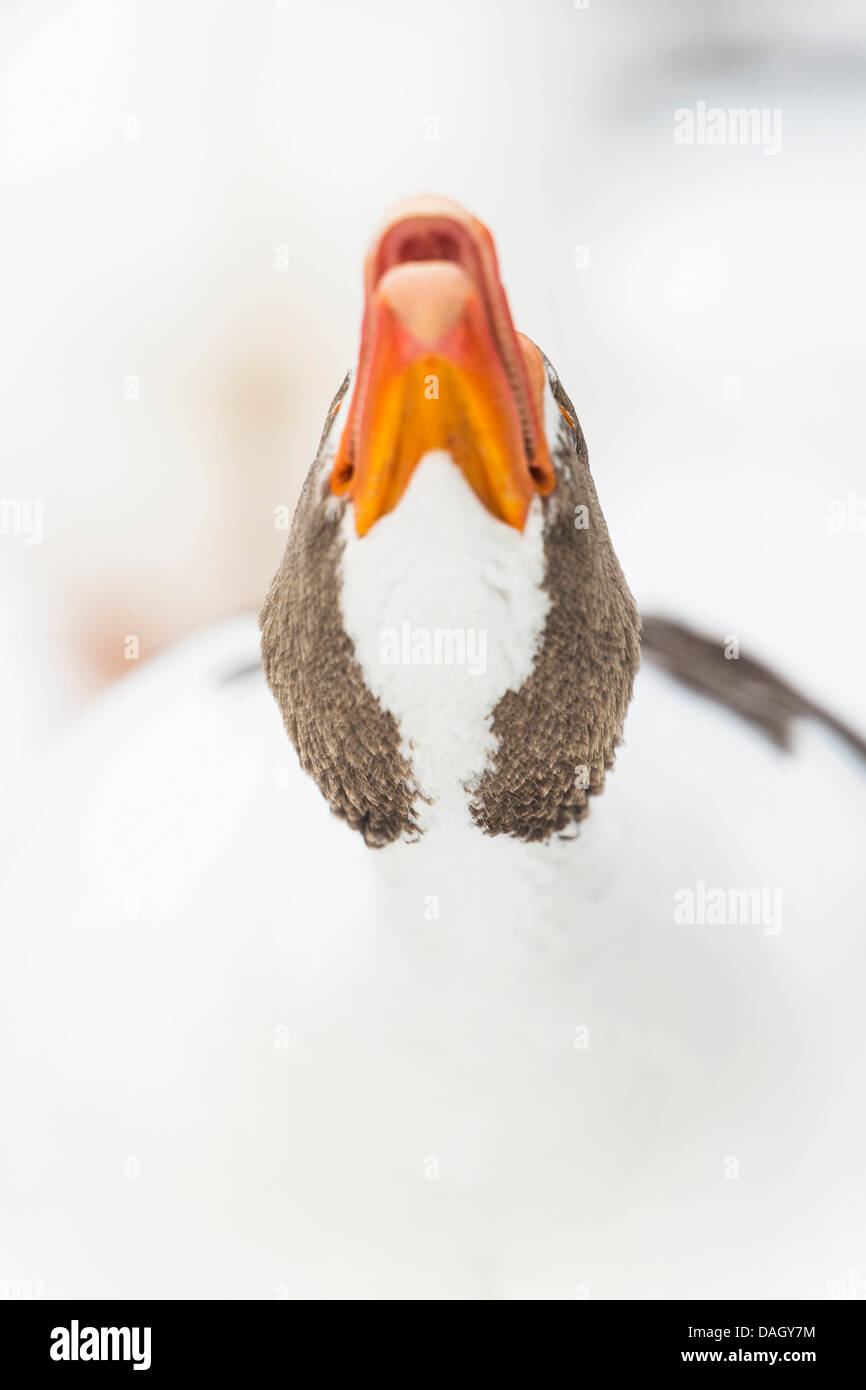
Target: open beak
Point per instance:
(441, 367)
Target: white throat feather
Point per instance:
(445, 606)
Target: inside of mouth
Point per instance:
(427, 239)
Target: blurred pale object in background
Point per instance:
(188, 195)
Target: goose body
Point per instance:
(250, 1055)
(514, 1050)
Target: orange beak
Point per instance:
(441, 367)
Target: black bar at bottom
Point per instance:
(222, 1339)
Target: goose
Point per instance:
(439, 951)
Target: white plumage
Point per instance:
(249, 1058)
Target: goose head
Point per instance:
(449, 636)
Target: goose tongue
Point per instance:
(441, 367)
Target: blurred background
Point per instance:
(189, 188)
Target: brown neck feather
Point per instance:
(558, 732)
(345, 740)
